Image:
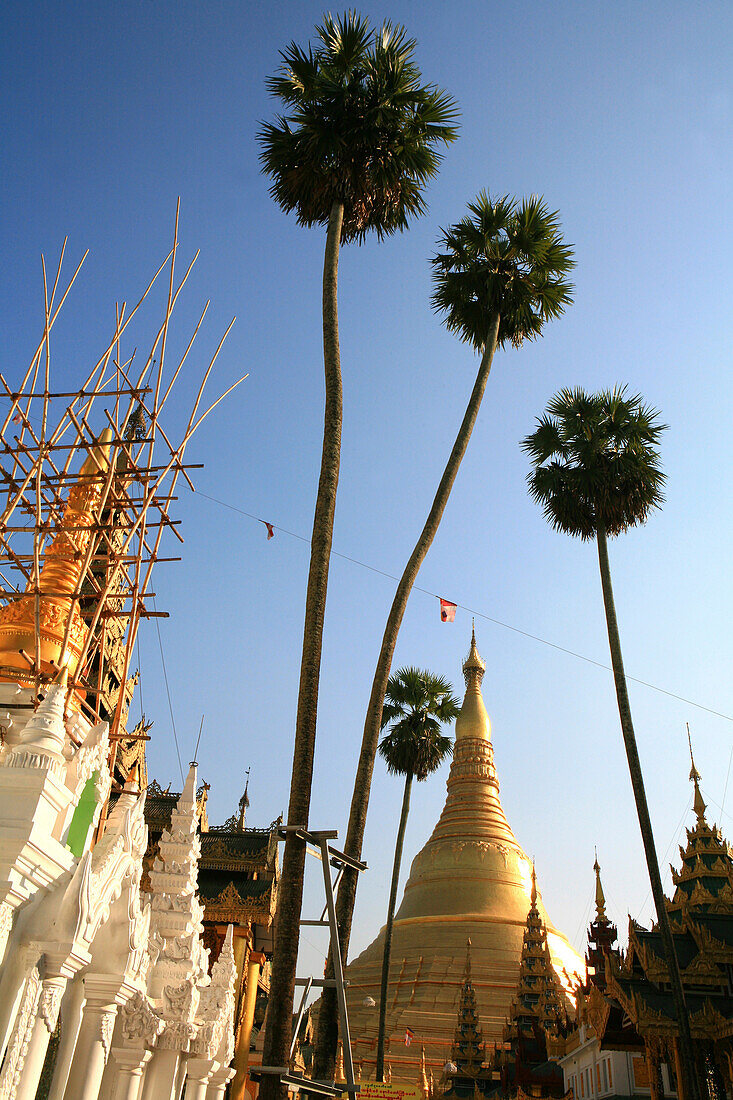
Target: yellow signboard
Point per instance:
(375, 1090)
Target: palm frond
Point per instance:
(504, 258)
(418, 703)
(360, 128)
(596, 461)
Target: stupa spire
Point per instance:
(698, 804)
(244, 804)
(705, 878)
(600, 898)
(467, 1050)
(470, 880)
(601, 937)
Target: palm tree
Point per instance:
(416, 704)
(357, 145)
(500, 275)
(596, 474)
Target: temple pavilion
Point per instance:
(472, 879)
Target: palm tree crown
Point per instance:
(361, 128)
(416, 705)
(504, 258)
(596, 461)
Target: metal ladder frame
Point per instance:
(317, 844)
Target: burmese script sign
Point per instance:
(375, 1090)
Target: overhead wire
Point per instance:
(473, 611)
(168, 693)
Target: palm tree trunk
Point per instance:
(290, 893)
(637, 782)
(327, 1036)
(388, 927)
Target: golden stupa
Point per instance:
(59, 584)
(471, 880)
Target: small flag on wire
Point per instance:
(270, 529)
(447, 611)
(17, 419)
(409, 1036)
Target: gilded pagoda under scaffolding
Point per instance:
(104, 989)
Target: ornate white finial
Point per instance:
(43, 739)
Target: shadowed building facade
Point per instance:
(472, 879)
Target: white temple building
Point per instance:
(105, 992)
(126, 981)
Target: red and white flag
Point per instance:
(409, 1036)
(447, 611)
(270, 530)
(17, 419)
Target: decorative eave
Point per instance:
(229, 907)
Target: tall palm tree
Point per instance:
(500, 275)
(416, 705)
(357, 144)
(596, 474)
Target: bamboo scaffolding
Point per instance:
(132, 489)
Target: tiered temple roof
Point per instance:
(538, 1004)
(638, 1013)
(238, 867)
(467, 1052)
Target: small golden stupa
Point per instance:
(471, 880)
(59, 584)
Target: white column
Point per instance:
(160, 1076)
(180, 1079)
(49, 1003)
(198, 1073)
(92, 1050)
(128, 1067)
(218, 1083)
(71, 1013)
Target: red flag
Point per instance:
(447, 611)
(270, 531)
(17, 419)
(409, 1036)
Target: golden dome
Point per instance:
(471, 879)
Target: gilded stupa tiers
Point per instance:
(472, 879)
(59, 582)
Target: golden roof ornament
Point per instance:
(698, 804)
(59, 581)
(533, 895)
(467, 967)
(600, 899)
(473, 665)
(473, 721)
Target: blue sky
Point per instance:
(620, 115)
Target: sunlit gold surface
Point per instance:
(471, 879)
(60, 575)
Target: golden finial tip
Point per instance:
(473, 662)
(600, 897)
